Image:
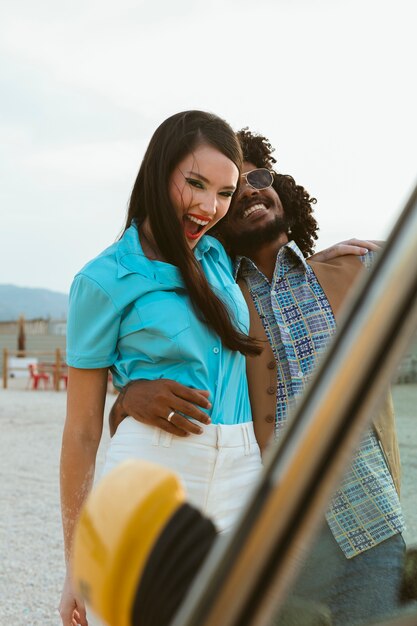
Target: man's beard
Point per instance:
(245, 243)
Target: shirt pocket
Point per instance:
(151, 328)
(165, 315)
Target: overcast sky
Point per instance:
(84, 84)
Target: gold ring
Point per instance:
(170, 416)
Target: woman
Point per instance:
(162, 303)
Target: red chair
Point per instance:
(36, 376)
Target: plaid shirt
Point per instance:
(299, 323)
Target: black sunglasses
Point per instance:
(261, 178)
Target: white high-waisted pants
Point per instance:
(218, 468)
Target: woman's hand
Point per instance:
(358, 247)
(71, 607)
(152, 401)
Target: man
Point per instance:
(356, 565)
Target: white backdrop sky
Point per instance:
(84, 83)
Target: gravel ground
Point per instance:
(31, 558)
(31, 561)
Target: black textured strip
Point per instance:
(171, 567)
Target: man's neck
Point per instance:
(265, 257)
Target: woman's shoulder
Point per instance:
(102, 267)
(121, 272)
(107, 266)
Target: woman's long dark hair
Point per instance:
(172, 141)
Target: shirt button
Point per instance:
(269, 419)
(300, 373)
(271, 365)
(216, 350)
(270, 390)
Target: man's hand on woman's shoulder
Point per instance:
(358, 247)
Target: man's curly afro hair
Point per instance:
(296, 201)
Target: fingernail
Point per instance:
(209, 405)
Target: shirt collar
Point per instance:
(288, 256)
(206, 245)
(131, 258)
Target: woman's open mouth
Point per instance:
(194, 225)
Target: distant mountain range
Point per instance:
(32, 303)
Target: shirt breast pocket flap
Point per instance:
(165, 316)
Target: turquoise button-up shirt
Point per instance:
(134, 316)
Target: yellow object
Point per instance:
(119, 524)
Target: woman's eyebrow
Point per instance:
(198, 175)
